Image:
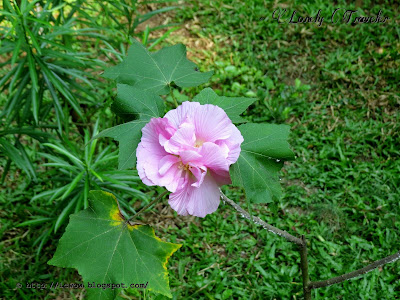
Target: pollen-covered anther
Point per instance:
(183, 167)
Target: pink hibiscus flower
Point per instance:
(189, 151)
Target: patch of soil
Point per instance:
(188, 34)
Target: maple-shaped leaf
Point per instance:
(107, 249)
(155, 71)
(233, 106)
(134, 102)
(263, 151)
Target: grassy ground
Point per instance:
(337, 86)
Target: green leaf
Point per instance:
(18, 156)
(57, 106)
(73, 158)
(7, 7)
(132, 101)
(57, 193)
(34, 41)
(6, 78)
(18, 74)
(95, 174)
(36, 134)
(128, 135)
(163, 37)
(233, 106)
(42, 195)
(93, 143)
(72, 185)
(263, 151)
(156, 71)
(148, 15)
(106, 249)
(34, 222)
(112, 180)
(35, 105)
(16, 51)
(65, 213)
(146, 35)
(29, 164)
(53, 79)
(29, 7)
(86, 192)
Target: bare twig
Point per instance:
(304, 269)
(265, 225)
(354, 274)
(307, 284)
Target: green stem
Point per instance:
(147, 206)
(173, 97)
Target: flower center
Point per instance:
(198, 143)
(184, 167)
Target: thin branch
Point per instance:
(304, 269)
(173, 97)
(307, 285)
(359, 272)
(265, 225)
(148, 205)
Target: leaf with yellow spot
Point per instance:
(106, 249)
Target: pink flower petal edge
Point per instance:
(189, 152)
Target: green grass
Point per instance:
(337, 86)
(19, 261)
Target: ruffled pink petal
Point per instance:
(199, 173)
(182, 112)
(166, 162)
(196, 201)
(178, 200)
(150, 153)
(169, 172)
(189, 156)
(184, 138)
(232, 144)
(203, 200)
(171, 178)
(147, 162)
(189, 151)
(236, 137)
(211, 123)
(183, 181)
(221, 178)
(140, 154)
(223, 148)
(231, 151)
(156, 131)
(212, 156)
